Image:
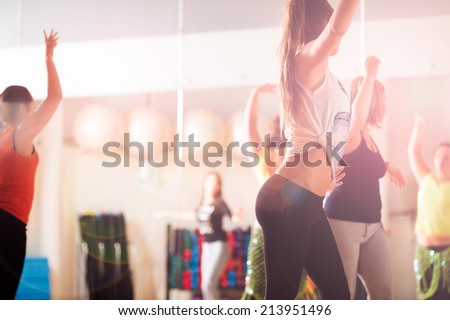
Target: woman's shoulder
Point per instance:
(220, 205)
(311, 80)
(219, 202)
(6, 135)
(428, 180)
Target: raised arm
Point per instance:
(327, 44)
(252, 109)
(29, 128)
(361, 104)
(418, 165)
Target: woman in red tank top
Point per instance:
(18, 162)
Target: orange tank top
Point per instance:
(17, 175)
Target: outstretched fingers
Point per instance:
(53, 36)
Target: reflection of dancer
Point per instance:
(354, 206)
(215, 249)
(432, 262)
(297, 234)
(18, 162)
(256, 275)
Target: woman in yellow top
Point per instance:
(255, 280)
(432, 262)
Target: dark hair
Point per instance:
(378, 104)
(304, 21)
(16, 94)
(318, 13)
(11, 98)
(218, 194)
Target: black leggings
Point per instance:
(13, 241)
(297, 236)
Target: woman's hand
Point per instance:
(388, 232)
(372, 64)
(267, 88)
(337, 181)
(395, 176)
(339, 175)
(419, 121)
(50, 42)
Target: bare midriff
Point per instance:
(433, 241)
(315, 178)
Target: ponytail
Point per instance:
(292, 41)
(304, 21)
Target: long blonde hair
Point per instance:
(304, 21)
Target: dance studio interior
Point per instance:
(111, 220)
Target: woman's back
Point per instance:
(16, 178)
(358, 198)
(322, 112)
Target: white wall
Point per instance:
(408, 48)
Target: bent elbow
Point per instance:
(55, 97)
(337, 30)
